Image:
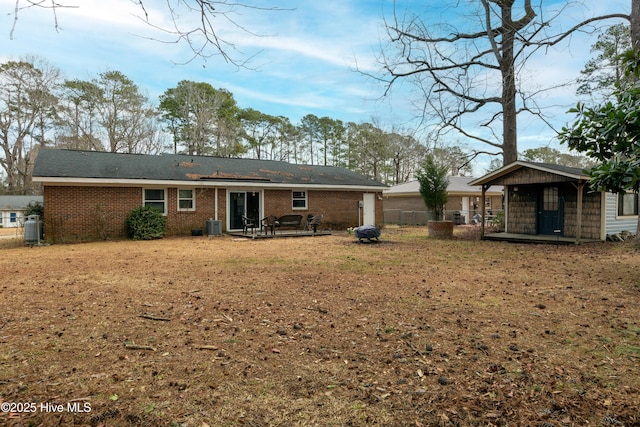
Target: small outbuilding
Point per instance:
(555, 203)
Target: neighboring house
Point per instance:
(88, 194)
(545, 200)
(12, 209)
(403, 203)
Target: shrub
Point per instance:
(146, 223)
(35, 208)
(433, 186)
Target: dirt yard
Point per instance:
(320, 331)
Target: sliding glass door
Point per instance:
(243, 203)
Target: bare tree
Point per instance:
(124, 113)
(26, 105)
(194, 22)
(78, 118)
(475, 73)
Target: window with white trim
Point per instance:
(627, 204)
(299, 199)
(186, 199)
(155, 197)
(13, 217)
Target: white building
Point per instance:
(12, 209)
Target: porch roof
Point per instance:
(499, 176)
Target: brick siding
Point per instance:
(99, 213)
(339, 208)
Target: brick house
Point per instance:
(88, 194)
(555, 202)
(403, 203)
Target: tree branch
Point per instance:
(553, 41)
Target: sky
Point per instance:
(303, 56)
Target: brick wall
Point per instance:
(99, 213)
(87, 213)
(412, 210)
(180, 223)
(339, 208)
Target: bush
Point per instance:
(35, 208)
(146, 223)
(433, 185)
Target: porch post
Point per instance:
(484, 220)
(579, 212)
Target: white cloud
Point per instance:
(308, 52)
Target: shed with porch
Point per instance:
(555, 203)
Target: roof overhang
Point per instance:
(495, 176)
(102, 182)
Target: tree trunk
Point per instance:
(509, 115)
(635, 24)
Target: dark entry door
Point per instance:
(550, 212)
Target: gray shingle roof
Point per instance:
(55, 163)
(457, 184)
(18, 203)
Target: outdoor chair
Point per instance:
(248, 223)
(269, 224)
(313, 222)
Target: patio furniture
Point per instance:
(289, 221)
(313, 221)
(248, 223)
(269, 224)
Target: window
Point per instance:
(299, 199)
(627, 204)
(13, 217)
(550, 199)
(186, 200)
(155, 197)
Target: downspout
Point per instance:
(215, 204)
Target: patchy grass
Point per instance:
(321, 332)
